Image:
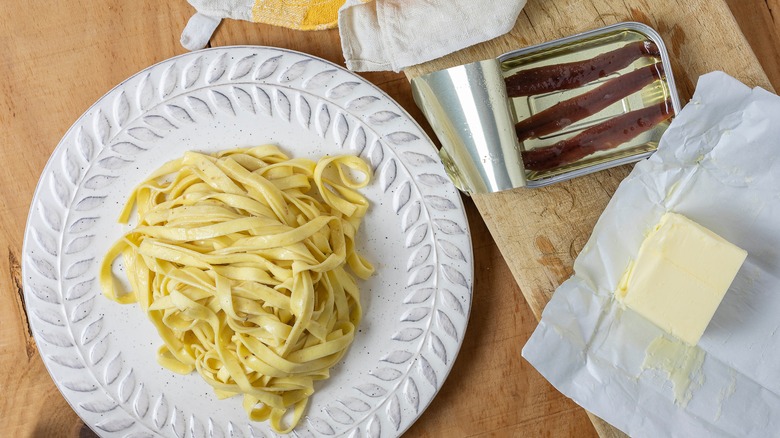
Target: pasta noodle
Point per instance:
(238, 259)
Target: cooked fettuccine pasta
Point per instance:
(239, 261)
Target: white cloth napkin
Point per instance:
(394, 34)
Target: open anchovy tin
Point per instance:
(553, 111)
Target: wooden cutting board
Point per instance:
(541, 231)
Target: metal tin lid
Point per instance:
(468, 108)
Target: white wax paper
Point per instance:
(717, 164)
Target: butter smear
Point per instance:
(680, 362)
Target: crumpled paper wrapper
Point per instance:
(718, 165)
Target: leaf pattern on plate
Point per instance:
(402, 196)
(244, 100)
(243, 67)
(339, 415)
(282, 104)
(126, 386)
(427, 371)
(99, 406)
(263, 101)
(56, 338)
(72, 168)
(376, 154)
(267, 68)
(192, 72)
(455, 276)
(398, 357)
(401, 137)
(78, 244)
(46, 242)
(82, 310)
(323, 120)
(418, 296)
(303, 110)
(98, 182)
(388, 174)
(393, 412)
(418, 159)
(85, 144)
(412, 394)
(50, 317)
(168, 82)
(210, 87)
(122, 110)
(141, 402)
(447, 226)
(45, 293)
(157, 122)
(342, 90)
(374, 427)
(179, 113)
(407, 335)
(355, 404)
(381, 117)
(78, 269)
(91, 331)
(420, 275)
(294, 71)
(222, 102)
(51, 217)
(102, 127)
(115, 424)
(145, 92)
(78, 290)
(411, 215)
(419, 256)
(340, 129)
(358, 142)
(361, 103)
(113, 163)
(320, 79)
(321, 426)
(160, 412)
(437, 346)
(98, 350)
(416, 236)
(452, 301)
(199, 106)
(216, 69)
(214, 430)
(415, 314)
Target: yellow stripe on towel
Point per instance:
(298, 14)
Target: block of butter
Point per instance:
(680, 276)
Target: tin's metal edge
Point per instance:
(566, 40)
(665, 59)
(531, 184)
(642, 28)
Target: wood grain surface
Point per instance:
(60, 57)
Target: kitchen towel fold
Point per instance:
(394, 34)
(375, 34)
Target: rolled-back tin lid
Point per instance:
(469, 109)
(553, 111)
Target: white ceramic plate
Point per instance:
(102, 355)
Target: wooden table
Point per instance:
(60, 57)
